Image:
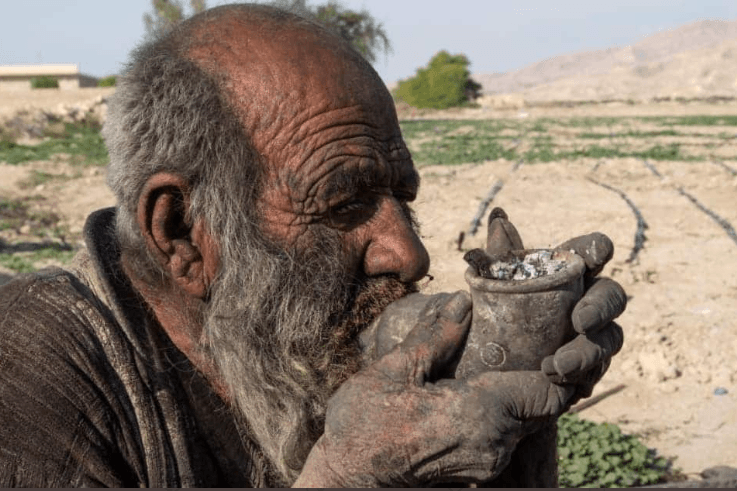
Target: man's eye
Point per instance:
(354, 211)
(357, 205)
(404, 197)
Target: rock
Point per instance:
(720, 473)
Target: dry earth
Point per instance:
(693, 60)
(681, 333)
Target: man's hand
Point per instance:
(392, 424)
(395, 424)
(583, 361)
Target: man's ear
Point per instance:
(185, 249)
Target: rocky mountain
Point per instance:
(694, 60)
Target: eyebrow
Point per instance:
(352, 181)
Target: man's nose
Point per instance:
(394, 247)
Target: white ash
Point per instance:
(534, 265)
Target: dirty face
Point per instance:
(282, 323)
(326, 127)
(350, 172)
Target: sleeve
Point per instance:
(57, 425)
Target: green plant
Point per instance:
(632, 134)
(659, 152)
(724, 120)
(360, 29)
(600, 455)
(44, 82)
(167, 14)
(12, 213)
(82, 141)
(107, 81)
(36, 178)
(444, 83)
(25, 262)
(16, 263)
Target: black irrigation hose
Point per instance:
(720, 221)
(476, 220)
(641, 223)
(652, 168)
(725, 167)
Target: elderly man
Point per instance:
(208, 335)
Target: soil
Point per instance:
(681, 334)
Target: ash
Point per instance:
(534, 265)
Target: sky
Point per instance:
(495, 35)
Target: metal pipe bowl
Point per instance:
(515, 323)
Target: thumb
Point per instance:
(439, 333)
(502, 236)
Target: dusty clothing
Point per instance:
(92, 392)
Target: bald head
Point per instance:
(279, 69)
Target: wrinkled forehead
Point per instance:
(277, 70)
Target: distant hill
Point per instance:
(694, 60)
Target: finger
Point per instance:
(526, 395)
(501, 236)
(596, 250)
(604, 301)
(439, 333)
(587, 351)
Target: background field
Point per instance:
(560, 172)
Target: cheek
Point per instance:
(354, 245)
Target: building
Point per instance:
(18, 77)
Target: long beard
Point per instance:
(282, 330)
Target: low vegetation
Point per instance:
(27, 262)
(601, 456)
(44, 83)
(43, 239)
(82, 142)
(451, 142)
(107, 81)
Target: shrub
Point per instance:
(107, 81)
(600, 455)
(44, 82)
(444, 83)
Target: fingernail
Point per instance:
(548, 366)
(457, 307)
(567, 362)
(586, 318)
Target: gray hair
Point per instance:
(281, 324)
(170, 115)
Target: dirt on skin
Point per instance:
(680, 325)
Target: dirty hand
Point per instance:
(583, 361)
(395, 424)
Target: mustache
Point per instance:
(368, 299)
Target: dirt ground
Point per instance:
(681, 334)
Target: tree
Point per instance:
(366, 35)
(445, 82)
(360, 29)
(167, 14)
